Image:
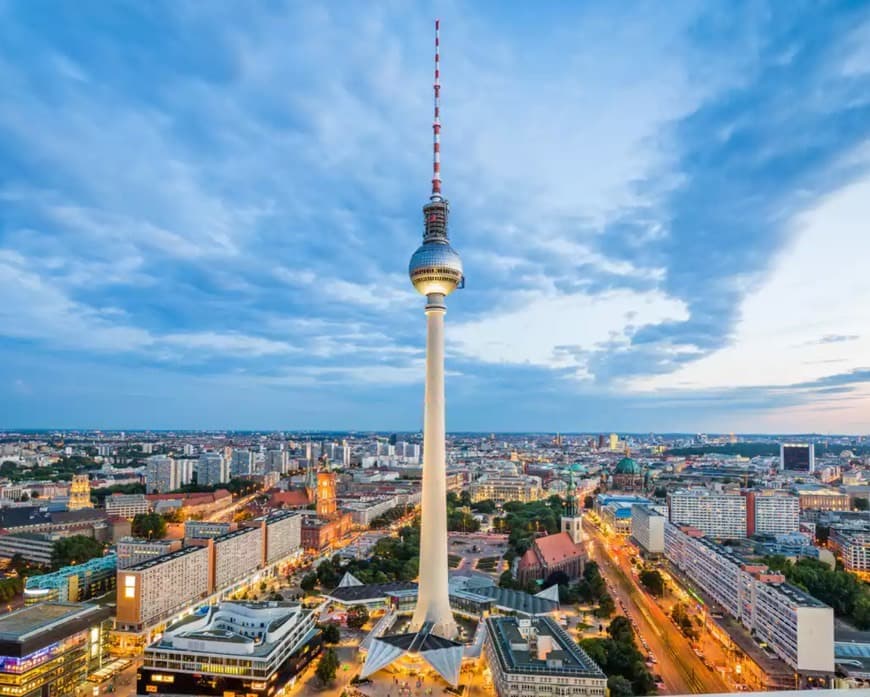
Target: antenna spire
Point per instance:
(436, 123)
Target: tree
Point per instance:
(151, 526)
(861, 504)
(557, 578)
(660, 492)
(76, 549)
(588, 502)
(327, 574)
(652, 581)
(327, 667)
(606, 606)
(619, 687)
(620, 630)
(485, 506)
(331, 633)
(357, 616)
(308, 582)
(506, 580)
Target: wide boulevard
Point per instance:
(681, 670)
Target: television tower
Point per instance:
(436, 271)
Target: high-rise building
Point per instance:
(797, 457)
(648, 529)
(717, 514)
(242, 463)
(772, 512)
(212, 469)
(436, 271)
(276, 461)
(164, 474)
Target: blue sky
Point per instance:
(207, 208)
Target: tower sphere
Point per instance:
(435, 268)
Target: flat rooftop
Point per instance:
(504, 632)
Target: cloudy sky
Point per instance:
(207, 208)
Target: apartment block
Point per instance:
(853, 546)
(153, 590)
(283, 535)
(795, 626)
(772, 513)
(717, 514)
(236, 555)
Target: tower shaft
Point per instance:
(433, 600)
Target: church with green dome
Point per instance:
(628, 475)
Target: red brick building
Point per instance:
(549, 554)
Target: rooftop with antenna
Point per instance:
(435, 267)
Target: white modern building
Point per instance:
(276, 461)
(772, 512)
(717, 514)
(502, 488)
(233, 648)
(795, 626)
(648, 529)
(853, 546)
(537, 657)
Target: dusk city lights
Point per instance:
(409, 349)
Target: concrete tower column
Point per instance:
(433, 601)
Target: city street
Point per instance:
(681, 670)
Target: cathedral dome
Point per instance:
(627, 466)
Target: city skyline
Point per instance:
(659, 218)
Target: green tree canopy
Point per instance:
(327, 667)
(151, 526)
(76, 549)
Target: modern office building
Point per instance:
(537, 657)
(797, 457)
(717, 514)
(133, 550)
(648, 529)
(92, 579)
(795, 626)
(235, 648)
(772, 512)
(502, 488)
(212, 469)
(51, 648)
(126, 505)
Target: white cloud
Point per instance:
(555, 330)
(816, 289)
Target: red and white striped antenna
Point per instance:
(436, 123)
